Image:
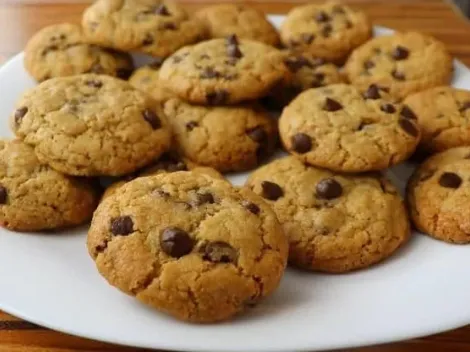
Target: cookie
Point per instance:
(334, 222)
(443, 115)
(223, 71)
(61, 50)
(340, 129)
(153, 27)
(307, 71)
(330, 31)
(91, 125)
(146, 78)
(404, 63)
(222, 20)
(189, 245)
(438, 196)
(226, 138)
(34, 197)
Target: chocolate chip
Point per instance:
(400, 53)
(162, 10)
(317, 80)
(251, 207)
(3, 195)
(157, 63)
(348, 24)
(170, 26)
(177, 59)
(465, 106)
(301, 143)
(219, 252)
(123, 73)
(326, 31)
(209, 73)
(49, 48)
(399, 76)
(152, 118)
(388, 108)
(234, 51)
(407, 113)
(122, 226)
(232, 40)
(294, 64)
(202, 198)
(322, 16)
(191, 125)
(369, 64)
(450, 180)
(271, 190)
(328, 188)
(147, 40)
(257, 134)
(176, 242)
(94, 83)
(62, 36)
(19, 114)
(217, 98)
(372, 92)
(307, 38)
(332, 105)
(409, 127)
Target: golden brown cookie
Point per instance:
(189, 245)
(334, 223)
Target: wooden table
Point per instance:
(437, 17)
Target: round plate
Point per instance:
(50, 280)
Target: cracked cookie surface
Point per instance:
(334, 222)
(404, 63)
(91, 125)
(146, 78)
(222, 20)
(330, 31)
(189, 245)
(438, 195)
(35, 197)
(223, 71)
(338, 128)
(61, 50)
(443, 116)
(227, 138)
(153, 27)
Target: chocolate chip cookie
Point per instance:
(222, 20)
(189, 245)
(334, 222)
(438, 196)
(330, 31)
(444, 117)
(91, 125)
(341, 129)
(146, 78)
(223, 71)
(227, 138)
(34, 197)
(154, 27)
(404, 63)
(61, 50)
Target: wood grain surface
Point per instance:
(18, 21)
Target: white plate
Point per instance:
(51, 281)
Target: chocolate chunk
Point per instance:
(450, 180)
(332, 105)
(301, 143)
(209, 73)
(317, 80)
(191, 125)
(307, 38)
(122, 226)
(328, 188)
(257, 134)
(157, 63)
(232, 40)
(294, 64)
(465, 106)
(322, 16)
(409, 127)
(326, 31)
(271, 190)
(234, 51)
(19, 114)
(219, 252)
(348, 24)
(152, 118)
(388, 108)
(62, 37)
(399, 76)
(123, 73)
(217, 98)
(251, 207)
(94, 83)
(372, 92)
(3, 195)
(162, 10)
(147, 40)
(170, 26)
(369, 64)
(407, 113)
(400, 53)
(176, 242)
(202, 198)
